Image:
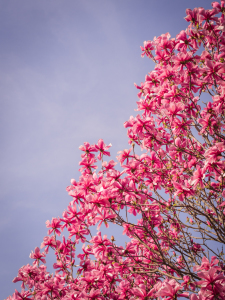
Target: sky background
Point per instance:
(67, 70)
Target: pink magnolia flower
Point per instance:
(101, 147)
(100, 245)
(130, 122)
(125, 154)
(87, 148)
(142, 89)
(21, 296)
(86, 185)
(181, 126)
(208, 122)
(214, 153)
(146, 50)
(127, 229)
(187, 283)
(54, 225)
(161, 56)
(183, 191)
(141, 292)
(192, 16)
(108, 166)
(79, 232)
(213, 70)
(95, 295)
(88, 164)
(172, 109)
(51, 287)
(48, 241)
(206, 264)
(182, 41)
(220, 7)
(171, 289)
(182, 59)
(102, 217)
(38, 256)
(124, 289)
(198, 177)
(208, 15)
(212, 284)
(151, 80)
(178, 148)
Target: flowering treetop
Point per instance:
(175, 188)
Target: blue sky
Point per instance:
(66, 77)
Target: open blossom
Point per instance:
(206, 264)
(213, 70)
(103, 218)
(87, 164)
(212, 283)
(124, 155)
(182, 59)
(195, 297)
(37, 256)
(87, 148)
(48, 241)
(187, 283)
(214, 153)
(101, 147)
(207, 122)
(192, 15)
(177, 148)
(183, 41)
(171, 289)
(24, 295)
(141, 88)
(146, 50)
(54, 225)
(173, 109)
(141, 292)
(198, 177)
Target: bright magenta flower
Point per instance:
(54, 225)
(198, 177)
(37, 256)
(101, 147)
(171, 290)
(148, 47)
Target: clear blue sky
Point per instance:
(66, 77)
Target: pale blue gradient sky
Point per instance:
(66, 77)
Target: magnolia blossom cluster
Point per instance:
(174, 190)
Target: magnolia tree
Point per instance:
(175, 188)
